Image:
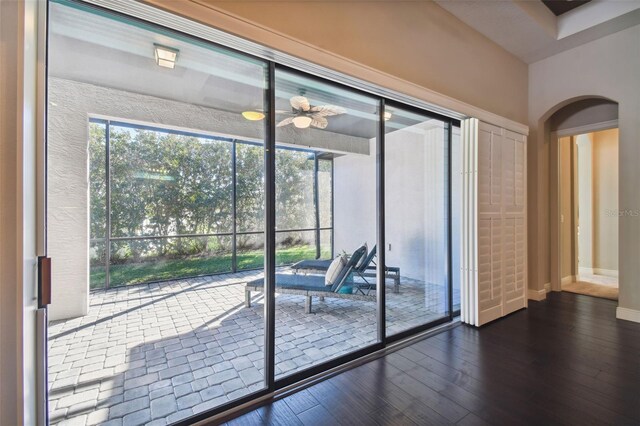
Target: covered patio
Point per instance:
(164, 351)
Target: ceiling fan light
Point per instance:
(253, 115)
(302, 121)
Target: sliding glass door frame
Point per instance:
(449, 123)
(340, 360)
(272, 385)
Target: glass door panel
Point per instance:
(416, 219)
(326, 184)
(155, 176)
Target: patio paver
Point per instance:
(168, 350)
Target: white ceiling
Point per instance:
(119, 53)
(531, 32)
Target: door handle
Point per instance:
(44, 281)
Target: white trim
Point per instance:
(537, 295)
(605, 272)
(587, 128)
(568, 280)
(628, 314)
(585, 271)
(597, 13)
(238, 33)
(469, 311)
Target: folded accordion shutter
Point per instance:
(468, 257)
(493, 258)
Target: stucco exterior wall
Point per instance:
(415, 192)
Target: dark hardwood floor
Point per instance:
(564, 361)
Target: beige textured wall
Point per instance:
(417, 41)
(608, 68)
(605, 198)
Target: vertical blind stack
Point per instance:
(493, 258)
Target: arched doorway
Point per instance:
(580, 244)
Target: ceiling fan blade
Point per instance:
(285, 122)
(319, 122)
(300, 103)
(327, 110)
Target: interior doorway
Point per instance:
(588, 203)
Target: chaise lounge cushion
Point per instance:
(334, 270)
(296, 282)
(312, 265)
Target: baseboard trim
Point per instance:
(547, 288)
(628, 314)
(536, 295)
(605, 272)
(585, 271)
(567, 280)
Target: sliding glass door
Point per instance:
(222, 226)
(155, 176)
(416, 219)
(325, 307)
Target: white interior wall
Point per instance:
(585, 203)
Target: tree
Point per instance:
(165, 184)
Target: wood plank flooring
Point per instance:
(563, 361)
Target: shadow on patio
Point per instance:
(162, 352)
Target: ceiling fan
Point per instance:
(305, 115)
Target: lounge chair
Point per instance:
(314, 285)
(366, 269)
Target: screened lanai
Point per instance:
(181, 204)
(156, 220)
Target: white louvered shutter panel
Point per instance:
(494, 217)
(515, 290)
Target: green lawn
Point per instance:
(168, 269)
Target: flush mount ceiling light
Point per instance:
(387, 116)
(253, 115)
(302, 121)
(165, 56)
